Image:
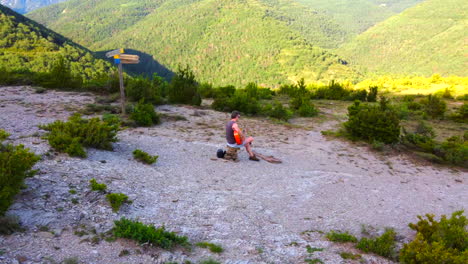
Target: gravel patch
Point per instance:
(257, 211)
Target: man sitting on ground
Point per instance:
(232, 127)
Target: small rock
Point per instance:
(103, 161)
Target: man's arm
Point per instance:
(236, 128)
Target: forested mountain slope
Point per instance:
(356, 16)
(24, 6)
(26, 46)
(223, 41)
(426, 39)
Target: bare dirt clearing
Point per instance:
(258, 212)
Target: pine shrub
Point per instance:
(434, 106)
(370, 122)
(72, 136)
(384, 245)
(144, 115)
(116, 200)
(144, 157)
(183, 88)
(239, 101)
(95, 186)
(444, 241)
(142, 233)
(360, 95)
(16, 164)
(461, 115)
(142, 88)
(372, 94)
(278, 111)
(212, 247)
(341, 237)
(307, 109)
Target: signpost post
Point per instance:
(119, 59)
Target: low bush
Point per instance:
(239, 101)
(144, 157)
(307, 109)
(341, 237)
(348, 255)
(278, 111)
(16, 164)
(9, 225)
(333, 91)
(444, 241)
(212, 247)
(183, 88)
(370, 122)
(224, 91)
(434, 106)
(142, 88)
(461, 115)
(95, 186)
(360, 95)
(125, 228)
(144, 115)
(116, 200)
(372, 94)
(453, 150)
(206, 90)
(72, 136)
(384, 245)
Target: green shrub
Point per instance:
(206, 90)
(434, 106)
(116, 200)
(224, 91)
(144, 157)
(142, 88)
(414, 106)
(348, 255)
(278, 111)
(370, 122)
(444, 241)
(16, 164)
(453, 150)
(212, 247)
(334, 91)
(183, 88)
(95, 186)
(383, 245)
(144, 115)
(112, 120)
(307, 109)
(239, 101)
(71, 136)
(142, 233)
(9, 225)
(461, 115)
(360, 95)
(372, 94)
(341, 237)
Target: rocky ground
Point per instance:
(259, 212)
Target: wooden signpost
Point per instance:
(121, 58)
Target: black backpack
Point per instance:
(220, 153)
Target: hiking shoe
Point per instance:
(254, 158)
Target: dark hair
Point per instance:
(235, 114)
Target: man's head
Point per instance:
(235, 115)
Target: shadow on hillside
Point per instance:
(147, 66)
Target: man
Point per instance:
(232, 127)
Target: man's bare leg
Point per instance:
(248, 147)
